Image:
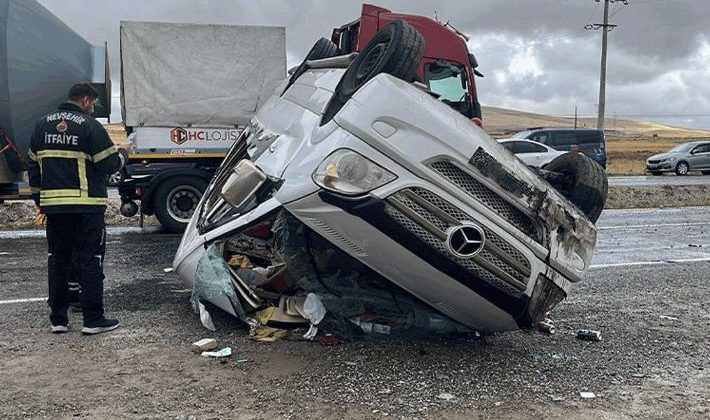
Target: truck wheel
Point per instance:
(396, 49)
(323, 48)
(176, 200)
(584, 183)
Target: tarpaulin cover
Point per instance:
(40, 58)
(199, 75)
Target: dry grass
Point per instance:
(627, 156)
(623, 197)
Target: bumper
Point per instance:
(490, 292)
(659, 167)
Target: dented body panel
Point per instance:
(450, 178)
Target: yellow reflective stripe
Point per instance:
(32, 155)
(60, 193)
(83, 181)
(103, 154)
(67, 154)
(73, 201)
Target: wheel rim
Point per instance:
(182, 202)
(370, 62)
(115, 178)
(682, 168)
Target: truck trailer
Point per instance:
(40, 58)
(187, 92)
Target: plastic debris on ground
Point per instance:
(225, 352)
(587, 395)
(589, 335)
(546, 326)
(445, 396)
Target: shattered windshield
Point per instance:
(448, 80)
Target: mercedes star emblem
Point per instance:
(465, 240)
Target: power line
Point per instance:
(605, 27)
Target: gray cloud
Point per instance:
(535, 53)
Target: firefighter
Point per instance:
(70, 156)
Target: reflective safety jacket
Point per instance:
(70, 157)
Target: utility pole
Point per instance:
(575, 117)
(606, 27)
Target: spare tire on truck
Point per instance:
(582, 181)
(323, 48)
(396, 49)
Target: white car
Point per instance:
(531, 152)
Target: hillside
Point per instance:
(501, 122)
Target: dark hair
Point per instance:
(79, 90)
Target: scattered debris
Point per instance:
(670, 318)
(4, 253)
(350, 363)
(168, 270)
(695, 245)
(498, 403)
(330, 340)
(589, 335)
(204, 345)
(445, 396)
(225, 352)
(639, 375)
(242, 360)
(267, 334)
(546, 326)
(557, 399)
(587, 395)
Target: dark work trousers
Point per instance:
(76, 246)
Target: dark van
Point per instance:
(590, 142)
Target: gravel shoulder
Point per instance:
(21, 215)
(651, 363)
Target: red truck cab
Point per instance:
(447, 67)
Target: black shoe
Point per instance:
(99, 326)
(58, 329)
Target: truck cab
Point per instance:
(447, 67)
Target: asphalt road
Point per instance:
(646, 292)
(669, 179)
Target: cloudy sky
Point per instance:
(535, 54)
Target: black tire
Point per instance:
(396, 49)
(682, 168)
(585, 183)
(323, 48)
(656, 173)
(705, 172)
(176, 199)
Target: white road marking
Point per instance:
(653, 226)
(40, 299)
(641, 263)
